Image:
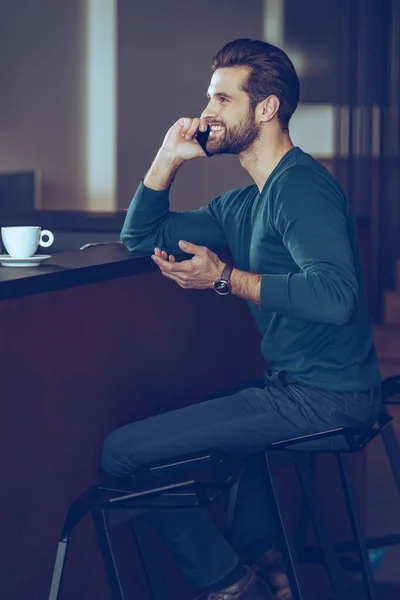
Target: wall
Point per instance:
(163, 68)
(42, 104)
(165, 54)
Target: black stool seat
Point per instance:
(354, 438)
(190, 480)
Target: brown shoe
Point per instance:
(250, 587)
(271, 569)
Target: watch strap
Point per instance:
(226, 273)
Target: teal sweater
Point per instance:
(300, 234)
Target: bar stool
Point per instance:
(390, 396)
(186, 481)
(355, 439)
(200, 479)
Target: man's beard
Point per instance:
(236, 140)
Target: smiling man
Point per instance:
(293, 239)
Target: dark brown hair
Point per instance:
(271, 72)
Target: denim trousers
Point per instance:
(242, 422)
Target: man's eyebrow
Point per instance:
(219, 95)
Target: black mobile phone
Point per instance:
(202, 137)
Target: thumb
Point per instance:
(191, 248)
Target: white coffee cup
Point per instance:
(22, 242)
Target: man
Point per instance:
(293, 238)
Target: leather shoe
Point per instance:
(250, 587)
(270, 567)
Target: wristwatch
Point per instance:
(222, 285)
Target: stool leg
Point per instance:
(77, 511)
(109, 555)
(325, 541)
(361, 544)
(392, 448)
(59, 568)
(302, 523)
(288, 557)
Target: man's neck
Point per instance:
(264, 156)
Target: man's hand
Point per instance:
(203, 269)
(179, 145)
(198, 273)
(180, 142)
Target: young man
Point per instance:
(293, 239)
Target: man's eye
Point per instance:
(222, 99)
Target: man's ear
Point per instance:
(267, 109)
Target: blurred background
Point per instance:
(88, 89)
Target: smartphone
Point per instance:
(202, 137)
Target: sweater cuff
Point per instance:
(151, 198)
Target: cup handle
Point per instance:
(49, 241)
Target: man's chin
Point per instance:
(217, 149)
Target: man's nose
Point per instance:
(209, 112)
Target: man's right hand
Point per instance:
(180, 141)
(179, 145)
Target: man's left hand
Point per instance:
(198, 273)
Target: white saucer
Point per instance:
(31, 261)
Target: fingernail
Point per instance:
(183, 244)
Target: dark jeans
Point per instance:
(243, 424)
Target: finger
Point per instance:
(157, 258)
(164, 264)
(179, 268)
(157, 251)
(203, 124)
(193, 129)
(190, 248)
(172, 258)
(164, 255)
(185, 123)
(174, 277)
(169, 275)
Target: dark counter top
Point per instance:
(69, 269)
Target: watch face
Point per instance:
(222, 287)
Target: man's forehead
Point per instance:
(228, 80)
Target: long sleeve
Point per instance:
(311, 215)
(149, 223)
